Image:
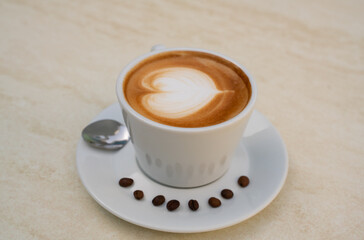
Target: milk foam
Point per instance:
(177, 92)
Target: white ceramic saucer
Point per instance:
(261, 156)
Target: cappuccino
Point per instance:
(187, 89)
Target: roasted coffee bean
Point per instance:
(227, 193)
(214, 202)
(172, 205)
(126, 182)
(243, 181)
(193, 204)
(158, 200)
(138, 194)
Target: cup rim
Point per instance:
(125, 105)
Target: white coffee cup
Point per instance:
(183, 157)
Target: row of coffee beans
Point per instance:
(193, 204)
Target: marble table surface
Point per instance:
(59, 61)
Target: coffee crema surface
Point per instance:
(187, 89)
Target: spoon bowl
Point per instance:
(106, 134)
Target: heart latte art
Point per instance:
(187, 89)
(178, 92)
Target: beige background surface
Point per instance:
(59, 61)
